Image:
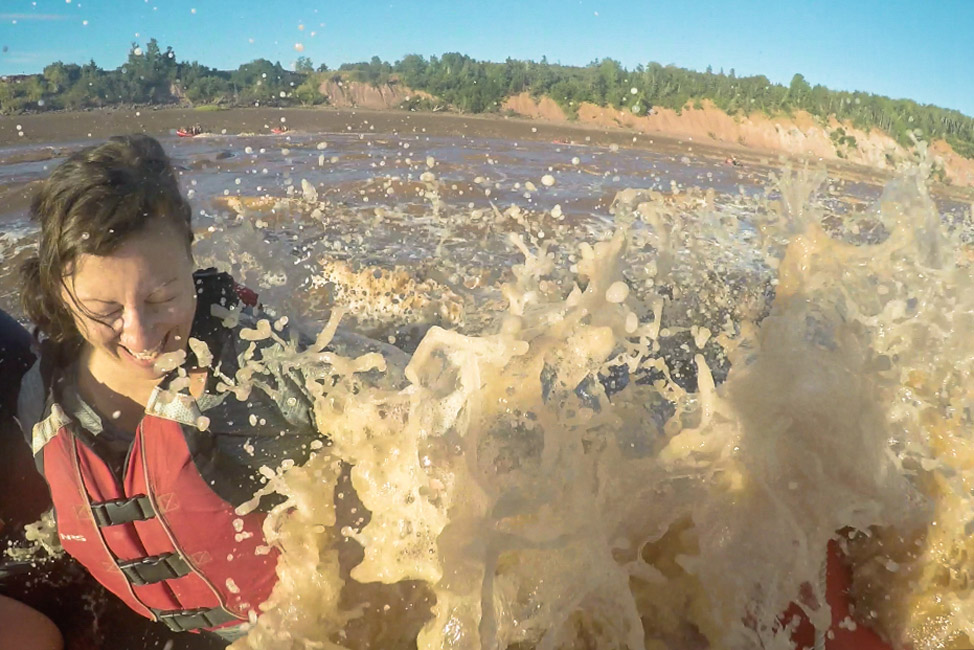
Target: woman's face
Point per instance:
(135, 304)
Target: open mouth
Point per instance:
(146, 357)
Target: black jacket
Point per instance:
(23, 493)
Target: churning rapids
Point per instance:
(639, 430)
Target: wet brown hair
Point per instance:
(90, 204)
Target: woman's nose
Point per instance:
(137, 330)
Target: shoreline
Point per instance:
(75, 127)
(66, 130)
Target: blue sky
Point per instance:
(916, 49)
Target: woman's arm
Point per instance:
(23, 627)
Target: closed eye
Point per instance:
(107, 314)
(161, 301)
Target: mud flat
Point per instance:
(69, 129)
(78, 127)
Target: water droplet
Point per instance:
(632, 322)
(617, 292)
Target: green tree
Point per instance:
(799, 91)
(307, 92)
(262, 81)
(152, 76)
(146, 75)
(58, 76)
(8, 96)
(34, 89)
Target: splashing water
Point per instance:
(499, 497)
(646, 441)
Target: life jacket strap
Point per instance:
(195, 619)
(122, 511)
(156, 568)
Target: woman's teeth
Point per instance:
(146, 355)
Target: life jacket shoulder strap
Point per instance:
(45, 430)
(175, 406)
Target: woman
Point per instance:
(146, 461)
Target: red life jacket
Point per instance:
(162, 540)
(840, 635)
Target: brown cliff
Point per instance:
(356, 94)
(799, 134)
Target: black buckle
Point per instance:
(195, 619)
(122, 511)
(156, 568)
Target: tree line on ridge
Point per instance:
(152, 76)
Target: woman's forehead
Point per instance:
(144, 261)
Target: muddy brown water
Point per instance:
(375, 160)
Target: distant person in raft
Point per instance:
(146, 462)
